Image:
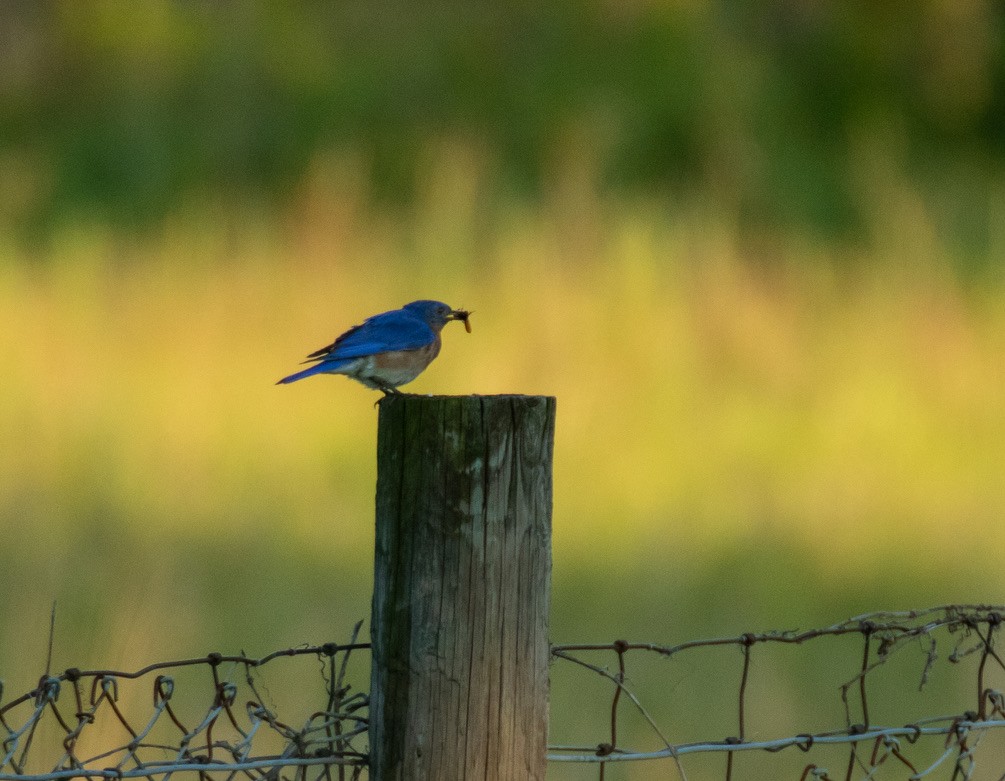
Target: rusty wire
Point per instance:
(871, 747)
(225, 738)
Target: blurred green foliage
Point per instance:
(770, 109)
(749, 215)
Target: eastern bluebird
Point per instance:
(388, 349)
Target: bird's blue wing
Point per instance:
(397, 330)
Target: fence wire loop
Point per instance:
(163, 689)
(47, 691)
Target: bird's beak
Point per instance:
(462, 315)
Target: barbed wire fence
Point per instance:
(919, 746)
(236, 733)
(75, 724)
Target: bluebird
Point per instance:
(388, 349)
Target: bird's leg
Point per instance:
(387, 390)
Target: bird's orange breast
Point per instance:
(396, 367)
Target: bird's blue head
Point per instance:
(436, 314)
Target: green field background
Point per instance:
(755, 251)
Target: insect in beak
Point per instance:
(462, 315)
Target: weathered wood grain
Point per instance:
(462, 582)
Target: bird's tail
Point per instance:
(318, 368)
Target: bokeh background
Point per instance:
(754, 248)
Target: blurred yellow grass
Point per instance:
(842, 409)
(706, 398)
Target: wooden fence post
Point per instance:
(462, 583)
